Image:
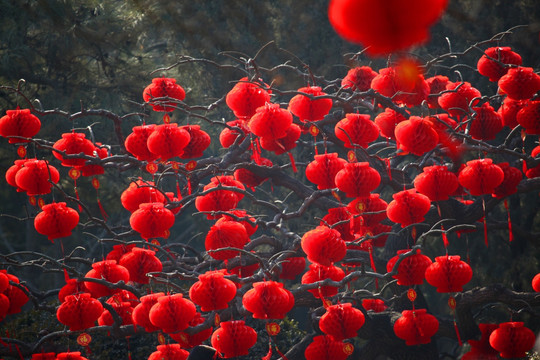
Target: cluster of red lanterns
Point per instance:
(12, 297)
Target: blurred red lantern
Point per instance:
(245, 97)
(344, 220)
(323, 245)
(307, 109)
(318, 272)
(408, 207)
(163, 88)
(436, 182)
(486, 123)
(357, 179)
(73, 144)
(35, 177)
(536, 282)
(416, 135)
(189, 340)
(416, 327)
(480, 349)
(227, 137)
(172, 313)
(268, 300)
(283, 144)
(512, 339)
(152, 220)
(73, 355)
(225, 234)
(168, 141)
(356, 130)
(56, 220)
(198, 142)
(512, 178)
(233, 338)
(372, 209)
(140, 192)
(17, 297)
(136, 143)
(529, 117)
(436, 84)
(169, 352)
(248, 178)
(212, 291)
(492, 63)
(107, 270)
(411, 270)
(341, 321)
(20, 123)
(79, 312)
(481, 176)
(292, 267)
(520, 83)
(387, 122)
(322, 171)
(448, 274)
(140, 262)
(458, 99)
(358, 78)
(270, 121)
(141, 312)
(325, 347)
(375, 305)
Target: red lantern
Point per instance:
(11, 173)
(325, 347)
(357, 179)
(408, 207)
(322, 171)
(535, 171)
(486, 123)
(19, 123)
(358, 78)
(509, 110)
(140, 262)
(318, 272)
(79, 312)
(411, 270)
(307, 109)
(480, 349)
(536, 282)
(248, 178)
(375, 305)
(245, 97)
(323, 245)
(152, 220)
(100, 152)
(44, 356)
(172, 313)
(191, 340)
(136, 143)
(372, 209)
(481, 176)
(212, 291)
(140, 192)
(387, 122)
(17, 297)
(225, 234)
(356, 130)
(56, 220)
(436, 84)
(268, 300)
(163, 88)
(118, 251)
(284, 144)
(227, 137)
(520, 83)
(227, 180)
(529, 117)
(168, 141)
(199, 141)
(107, 270)
(416, 135)
(270, 121)
(341, 321)
(219, 200)
(4, 306)
(73, 144)
(404, 83)
(346, 223)
(436, 182)
(123, 309)
(141, 312)
(34, 177)
(512, 178)
(169, 352)
(448, 274)
(512, 339)
(492, 63)
(233, 338)
(72, 287)
(416, 327)
(292, 267)
(457, 101)
(73, 355)
(4, 281)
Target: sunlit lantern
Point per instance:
(325, 347)
(172, 313)
(411, 270)
(141, 312)
(123, 309)
(140, 192)
(270, 121)
(34, 177)
(322, 171)
(371, 208)
(416, 327)
(536, 282)
(249, 178)
(403, 83)
(508, 111)
(493, 64)
(152, 220)
(140, 262)
(356, 130)
(416, 135)
(245, 97)
(212, 291)
(387, 122)
(283, 144)
(307, 109)
(107, 270)
(408, 207)
(436, 182)
(163, 88)
(168, 141)
(520, 83)
(227, 137)
(73, 144)
(458, 99)
(448, 274)
(375, 305)
(341, 219)
(79, 312)
(341, 321)
(268, 300)
(512, 339)
(481, 176)
(243, 218)
(56, 220)
(233, 338)
(323, 245)
(136, 142)
(19, 123)
(223, 235)
(357, 179)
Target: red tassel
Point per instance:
(293, 163)
(511, 233)
(102, 210)
(457, 334)
(268, 356)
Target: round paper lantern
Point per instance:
(529, 117)
(123, 309)
(79, 312)
(11, 173)
(168, 141)
(198, 142)
(245, 97)
(34, 177)
(411, 270)
(308, 109)
(387, 121)
(325, 347)
(225, 234)
(107, 270)
(212, 291)
(346, 223)
(416, 135)
(408, 207)
(508, 111)
(372, 209)
(152, 220)
(375, 305)
(141, 312)
(163, 88)
(140, 192)
(72, 287)
(233, 338)
(169, 352)
(480, 349)
(486, 123)
(140, 262)
(448, 274)
(436, 84)
(520, 83)
(323, 245)
(457, 101)
(270, 121)
(357, 179)
(292, 267)
(416, 327)
(358, 78)
(536, 282)
(322, 171)
(227, 180)
(404, 84)
(268, 300)
(73, 355)
(243, 218)
(481, 176)
(228, 136)
(17, 297)
(512, 178)
(512, 339)
(492, 63)
(356, 130)
(20, 123)
(172, 313)
(73, 144)
(341, 321)
(284, 144)
(136, 142)
(436, 182)
(56, 220)
(220, 200)
(318, 272)
(250, 179)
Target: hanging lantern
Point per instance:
(357, 179)
(270, 121)
(118, 251)
(245, 97)
(325, 347)
(404, 83)
(411, 270)
(268, 300)
(481, 176)
(140, 262)
(408, 207)
(283, 144)
(220, 200)
(307, 109)
(212, 291)
(529, 117)
(372, 209)
(199, 141)
(100, 152)
(19, 123)
(457, 101)
(225, 234)
(168, 141)
(512, 178)
(109, 271)
(72, 287)
(136, 142)
(243, 218)
(233, 338)
(436, 182)
(318, 272)
(416, 135)
(340, 219)
(227, 137)
(163, 88)
(493, 63)
(356, 130)
(375, 305)
(322, 171)
(508, 111)
(512, 339)
(73, 355)
(387, 121)
(416, 327)
(341, 321)
(169, 352)
(140, 192)
(79, 312)
(172, 313)
(226, 180)
(152, 220)
(56, 220)
(73, 144)
(11, 173)
(17, 297)
(191, 340)
(436, 84)
(481, 349)
(520, 83)
(35, 177)
(486, 123)
(358, 78)
(323, 245)
(292, 267)
(140, 314)
(448, 274)
(250, 179)
(123, 309)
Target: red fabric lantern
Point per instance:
(372, 209)
(136, 143)
(520, 83)
(416, 135)
(168, 141)
(199, 141)
(436, 84)
(356, 130)
(318, 272)
(11, 173)
(225, 234)
(19, 123)
(73, 355)
(536, 282)
(325, 347)
(307, 109)
(17, 297)
(512, 339)
(358, 78)
(172, 313)
(416, 327)
(448, 274)
(140, 192)
(140, 262)
(141, 312)
(73, 144)
(163, 88)
(169, 352)
(56, 220)
(152, 220)
(233, 338)
(509, 110)
(357, 179)
(411, 270)
(245, 97)
(268, 300)
(387, 121)
(347, 223)
(323, 245)
(123, 309)
(492, 63)
(457, 101)
(375, 305)
(292, 267)
(270, 121)
(480, 349)
(227, 137)
(212, 291)
(219, 200)
(284, 144)
(248, 178)
(322, 171)
(107, 270)
(436, 182)
(481, 176)
(512, 178)
(408, 207)
(34, 177)
(486, 123)
(529, 117)
(79, 312)
(341, 321)
(191, 340)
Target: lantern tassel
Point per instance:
(457, 334)
(293, 163)
(511, 233)
(268, 355)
